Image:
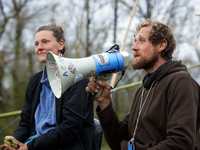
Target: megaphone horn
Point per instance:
(64, 72)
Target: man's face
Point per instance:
(145, 54)
(44, 42)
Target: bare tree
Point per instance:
(87, 8)
(4, 21)
(115, 21)
(14, 54)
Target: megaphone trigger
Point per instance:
(104, 78)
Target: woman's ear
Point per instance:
(162, 45)
(61, 44)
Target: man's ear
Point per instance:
(162, 45)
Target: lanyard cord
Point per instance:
(140, 110)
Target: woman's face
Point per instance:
(44, 42)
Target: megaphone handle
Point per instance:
(104, 78)
(99, 92)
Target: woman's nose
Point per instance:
(40, 46)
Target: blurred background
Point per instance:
(91, 27)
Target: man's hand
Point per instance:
(104, 100)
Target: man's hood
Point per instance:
(175, 66)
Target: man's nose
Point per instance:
(135, 46)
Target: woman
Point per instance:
(51, 123)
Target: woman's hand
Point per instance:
(21, 146)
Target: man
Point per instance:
(165, 113)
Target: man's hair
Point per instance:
(158, 34)
(58, 32)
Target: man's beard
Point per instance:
(144, 63)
